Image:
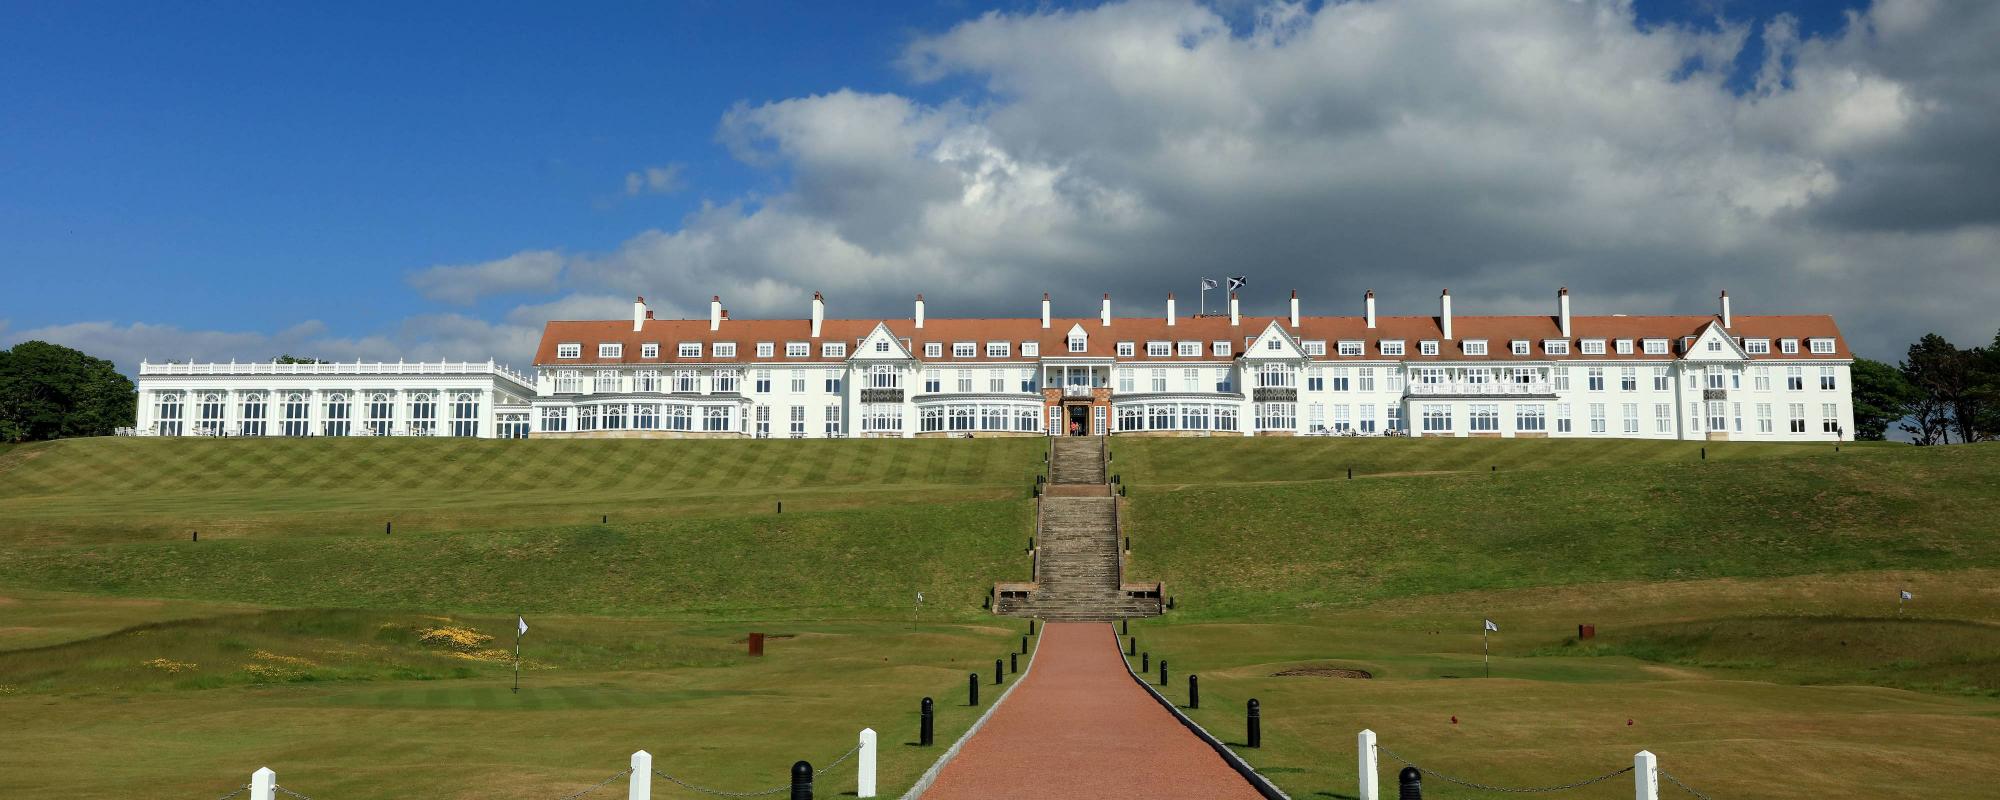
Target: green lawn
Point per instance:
(1745, 608)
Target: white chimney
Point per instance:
(1444, 313)
(1370, 298)
(1104, 312)
(1234, 319)
(1295, 308)
(638, 314)
(1725, 309)
(1045, 310)
(1562, 310)
(1170, 308)
(715, 313)
(920, 311)
(819, 313)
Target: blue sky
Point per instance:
(175, 171)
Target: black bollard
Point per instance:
(1031, 543)
(1125, 626)
(1024, 644)
(1704, 454)
(1255, 721)
(997, 673)
(606, 520)
(1146, 662)
(1410, 784)
(388, 528)
(194, 536)
(972, 688)
(1163, 672)
(1014, 663)
(781, 506)
(1031, 626)
(1131, 645)
(1350, 473)
(924, 728)
(1492, 468)
(802, 780)
(1194, 692)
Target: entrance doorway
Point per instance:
(1079, 419)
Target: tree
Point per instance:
(1941, 375)
(1882, 395)
(49, 391)
(288, 358)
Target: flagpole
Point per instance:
(1487, 645)
(517, 656)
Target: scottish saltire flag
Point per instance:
(1906, 595)
(1492, 627)
(523, 623)
(1208, 283)
(1238, 282)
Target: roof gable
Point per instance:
(870, 346)
(1714, 344)
(1274, 342)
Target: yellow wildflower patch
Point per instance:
(463, 640)
(170, 666)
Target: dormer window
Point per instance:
(1078, 343)
(964, 349)
(649, 350)
(1190, 349)
(798, 350)
(1658, 347)
(1475, 347)
(998, 349)
(765, 349)
(1624, 347)
(569, 350)
(1821, 346)
(1555, 347)
(725, 349)
(1219, 348)
(1391, 347)
(1757, 347)
(833, 350)
(1350, 348)
(933, 349)
(690, 350)
(1031, 349)
(1593, 347)
(1788, 346)
(1518, 347)
(1428, 347)
(1127, 349)
(1158, 349)
(611, 351)
(1314, 347)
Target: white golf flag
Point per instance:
(920, 598)
(1492, 627)
(524, 626)
(1906, 595)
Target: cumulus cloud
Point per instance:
(534, 271)
(654, 180)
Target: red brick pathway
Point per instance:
(1080, 728)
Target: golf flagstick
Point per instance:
(1487, 645)
(520, 630)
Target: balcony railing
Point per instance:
(1079, 391)
(1482, 389)
(343, 368)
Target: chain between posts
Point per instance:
(1508, 789)
(1684, 787)
(599, 785)
(289, 792)
(761, 793)
(239, 790)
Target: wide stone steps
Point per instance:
(1076, 460)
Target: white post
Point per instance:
(263, 783)
(1371, 781)
(865, 783)
(1646, 776)
(640, 787)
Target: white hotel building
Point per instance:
(1718, 377)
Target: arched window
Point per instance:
(1275, 376)
(465, 415)
(252, 411)
(381, 409)
(211, 414)
(423, 414)
(339, 414)
(885, 376)
(297, 415)
(167, 410)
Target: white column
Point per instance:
(865, 782)
(1371, 781)
(1645, 776)
(262, 783)
(232, 422)
(144, 418)
(315, 417)
(489, 417)
(640, 786)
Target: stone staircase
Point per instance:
(1078, 565)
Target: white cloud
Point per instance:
(534, 271)
(654, 180)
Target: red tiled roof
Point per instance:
(1498, 332)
